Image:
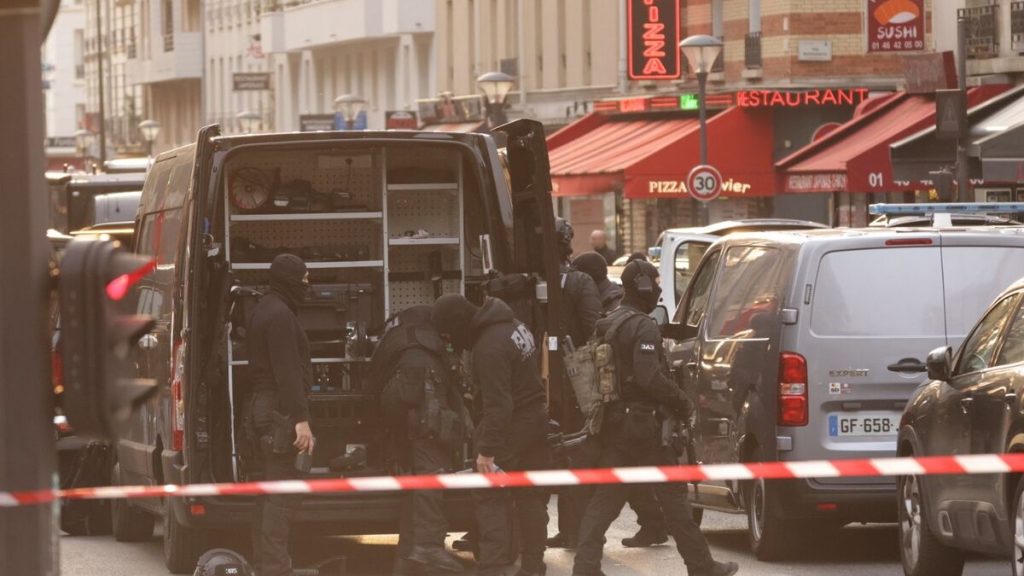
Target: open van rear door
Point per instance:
(534, 240)
(190, 349)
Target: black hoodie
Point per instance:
(278, 349)
(505, 371)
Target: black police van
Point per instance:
(384, 221)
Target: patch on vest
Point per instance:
(647, 347)
(523, 339)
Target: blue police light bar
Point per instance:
(946, 208)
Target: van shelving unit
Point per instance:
(408, 270)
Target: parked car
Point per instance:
(72, 196)
(384, 220)
(970, 405)
(678, 250)
(806, 345)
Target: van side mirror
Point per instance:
(940, 363)
(660, 315)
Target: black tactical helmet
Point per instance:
(563, 231)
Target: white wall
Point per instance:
(66, 92)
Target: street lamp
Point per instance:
(150, 130)
(248, 121)
(495, 86)
(702, 51)
(350, 106)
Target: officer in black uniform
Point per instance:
(581, 307)
(631, 433)
(641, 498)
(415, 376)
(512, 433)
(278, 412)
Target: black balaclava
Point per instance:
(453, 316)
(633, 283)
(593, 264)
(286, 274)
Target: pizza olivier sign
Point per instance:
(895, 25)
(654, 36)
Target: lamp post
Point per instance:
(82, 139)
(349, 106)
(248, 121)
(702, 51)
(495, 86)
(150, 130)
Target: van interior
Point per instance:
(381, 228)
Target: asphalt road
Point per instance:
(853, 551)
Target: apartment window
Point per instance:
(79, 54)
(168, 16)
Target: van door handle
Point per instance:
(965, 403)
(908, 366)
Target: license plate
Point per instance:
(863, 424)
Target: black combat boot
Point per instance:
(644, 538)
(438, 558)
(719, 569)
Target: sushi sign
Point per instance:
(895, 25)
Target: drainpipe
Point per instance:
(522, 54)
(623, 51)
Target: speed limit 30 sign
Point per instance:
(704, 182)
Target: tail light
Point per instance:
(792, 390)
(178, 397)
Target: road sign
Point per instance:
(704, 182)
(950, 114)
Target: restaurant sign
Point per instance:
(795, 98)
(654, 36)
(895, 25)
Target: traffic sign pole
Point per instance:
(28, 541)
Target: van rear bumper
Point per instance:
(347, 514)
(850, 502)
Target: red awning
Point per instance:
(650, 157)
(855, 156)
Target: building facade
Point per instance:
(111, 38)
(64, 82)
(165, 67)
(234, 50)
(379, 50)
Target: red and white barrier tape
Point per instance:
(973, 464)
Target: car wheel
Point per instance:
(182, 545)
(128, 523)
(769, 535)
(920, 552)
(1018, 529)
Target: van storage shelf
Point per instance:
(316, 361)
(430, 187)
(438, 241)
(312, 265)
(307, 216)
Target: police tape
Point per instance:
(868, 467)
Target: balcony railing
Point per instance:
(752, 50)
(1017, 27)
(168, 42)
(982, 31)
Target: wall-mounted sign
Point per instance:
(793, 99)
(950, 114)
(689, 102)
(451, 109)
(247, 81)
(814, 50)
(895, 25)
(361, 121)
(316, 122)
(823, 182)
(654, 36)
(926, 73)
